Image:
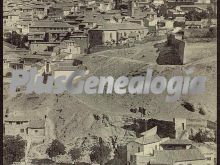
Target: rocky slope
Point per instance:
(79, 120)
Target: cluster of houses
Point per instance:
(56, 29)
(150, 149)
(63, 28)
(59, 30)
(112, 20)
(26, 125)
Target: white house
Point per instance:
(144, 146)
(115, 32)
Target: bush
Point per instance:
(55, 149)
(120, 157)
(100, 154)
(203, 136)
(202, 111)
(8, 75)
(188, 106)
(212, 33)
(75, 153)
(13, 149)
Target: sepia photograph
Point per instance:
(109, 82)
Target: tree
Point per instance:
(212, 33)
(16, 39)
(211, 12)
(203, 136)
(100, 154)
(162, 11)
(55, 149)
(75, 154)
(24, 40)
(202, 111)
(194, 15)
(13, 149)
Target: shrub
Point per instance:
(55, 149)
(188, 106)
(212, 33)
(202, 111)
(13, 149)
(100, 154)
(203, 136)
(75, 153)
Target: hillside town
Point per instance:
(110, 37)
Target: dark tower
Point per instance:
(117, 4)
(130, 8)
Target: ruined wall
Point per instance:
(178, 46)
(95, 37)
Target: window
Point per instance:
(37, 35)
(22, 130)
(183, 126)
(139, 150)
(209, 158)
(131, 158)
(18, 122)
(35, 131)
(10, 122)
(155, 147)
(110, 35)
(189, 164)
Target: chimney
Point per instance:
(131, 8)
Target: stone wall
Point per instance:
(178, 46)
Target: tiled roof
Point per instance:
(172, 156)
(177, 141)
(27, 7)
(16, 118)
(31, 33)
(64, 66)
(37, 123)
(193, 23)
(50, 24)
(148, 140)
(33, 57)
(181, 19)
(24, 23)
(120, 26)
